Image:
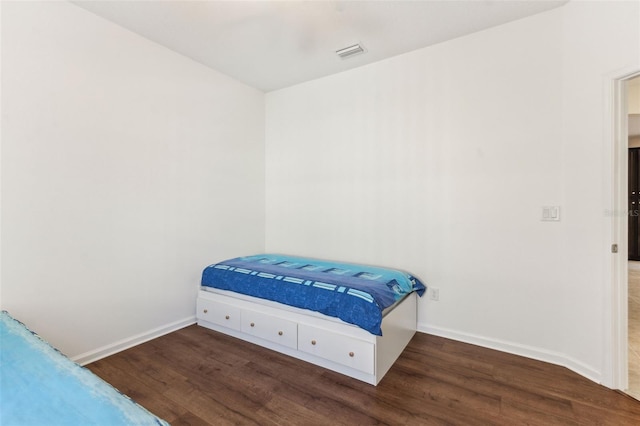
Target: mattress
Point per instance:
(356, 294)
(40, 386)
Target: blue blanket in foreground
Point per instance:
(356, 294)
(40, 386)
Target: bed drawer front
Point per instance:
(339, 348)
(219, 313)
(268, 327)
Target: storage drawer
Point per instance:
(218, 313)
(268, 327)
(339, 348)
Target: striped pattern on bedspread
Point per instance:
(356, 294)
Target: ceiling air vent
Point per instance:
(350, 51)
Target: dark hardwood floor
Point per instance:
(197, 376)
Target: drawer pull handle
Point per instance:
(252, 325)
(226, 317)
(279, 333)
(313, 342)
(351, 354)
(205, 311)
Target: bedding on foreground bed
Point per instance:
(41, 386)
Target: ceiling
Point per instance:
(274, 44)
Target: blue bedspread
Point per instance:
(356, 294)
(40, 386)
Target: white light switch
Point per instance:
(551, 213)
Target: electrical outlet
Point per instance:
(434, 293)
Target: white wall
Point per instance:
(126, 169)
(439, 161)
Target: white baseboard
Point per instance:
(516, 349)
(503, 346)
(105, 351)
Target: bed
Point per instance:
(352, 319)
(41, 386)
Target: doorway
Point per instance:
(634, 203)
(633, 267)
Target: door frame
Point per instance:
(616, 370)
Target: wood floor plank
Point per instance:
(282, 411)
(198, 376)
(449, 370)
(135, 388)
(525, 414)
(598, 415)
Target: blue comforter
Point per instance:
(40, 386)
(356, 294)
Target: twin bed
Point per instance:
(352, 319)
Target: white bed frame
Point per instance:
(325, 341)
